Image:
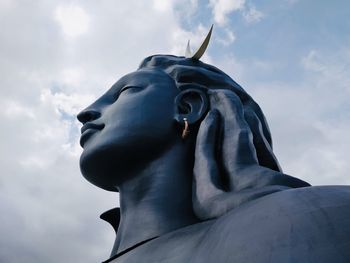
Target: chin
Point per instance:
(101, 170)
(109, 164)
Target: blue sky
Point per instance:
(56, 57)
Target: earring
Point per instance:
(186, 130)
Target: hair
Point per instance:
(187, 71)
(225, 94)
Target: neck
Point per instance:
(157, 200)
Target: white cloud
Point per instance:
(222, 8)
(252, 15)
(46, 80)
(13, 109)
(309, 121)
(73, 19)
(194, 4)
(329, 69)
(186, 10)
(72, 76)
(311, 62)
(228, 39)
(162, 6)
(6, 4)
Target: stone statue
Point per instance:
(190, 153)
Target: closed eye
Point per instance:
(117, 94)
(127, 88)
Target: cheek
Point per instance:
(138, 114)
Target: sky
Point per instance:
(56, 57)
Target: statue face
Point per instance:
(127, 127)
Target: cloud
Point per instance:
(162, 6)
(252, 15)
(55, 60)
(309, 120)
(228, 39)
(73, 19)
(311, 62)
(222, 8)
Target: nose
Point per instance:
(88, 115)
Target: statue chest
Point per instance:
(175, 247)
(299, 225)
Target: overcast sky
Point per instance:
(56, 57)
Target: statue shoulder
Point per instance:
(296, 225)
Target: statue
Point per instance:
(190, 153)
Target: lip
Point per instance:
(88, 130)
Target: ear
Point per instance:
(191, 104)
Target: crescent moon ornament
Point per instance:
(188, 53)
(199, 53)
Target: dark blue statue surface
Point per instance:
(190, 153)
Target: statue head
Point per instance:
(144, 113)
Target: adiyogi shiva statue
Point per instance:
(190, 153)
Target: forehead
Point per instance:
(144, 77)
